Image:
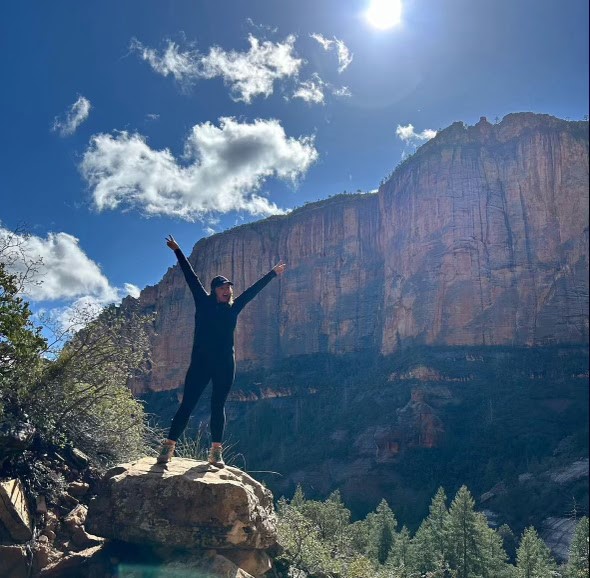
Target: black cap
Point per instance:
(219, 281)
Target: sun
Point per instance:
(384, 14)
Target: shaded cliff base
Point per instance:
(504, 421)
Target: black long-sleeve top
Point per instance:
(215, 322)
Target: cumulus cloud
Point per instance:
(254, 72)
(227, 165)
(63, 270)
(73, 117)
(311, 90)
(342, 51)
(248, 74)
(409, 135)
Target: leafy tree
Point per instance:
(77, 396)
(360, 567)
(82, 396)
(533, 558)
(301, 539)
(577, 565)
(379, 531)
(330, 517)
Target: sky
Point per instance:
(127, 120)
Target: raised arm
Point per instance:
(192, 280)
(249, 294)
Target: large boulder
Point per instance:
(183, 504)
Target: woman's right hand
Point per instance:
(170, 241)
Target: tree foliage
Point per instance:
(457, 542)
(533, 558)
(75, 395)
(577, 565)
(21, 343)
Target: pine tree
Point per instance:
(382, 526)
(21, 344)
(400, 557)
(430, 544)
(492, 554)
(577, 565)
(465, 553)
(533, 558)
(298, 498)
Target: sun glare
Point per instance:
(384, 14)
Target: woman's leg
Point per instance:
(197, 378)
(222, 380)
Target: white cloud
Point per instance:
(342, 51)
(63, 270)
(73, 118)
(132, 290)
(409, 135)
(248, 74)
(344, 55)
(181, 65)
(252, 73)
(311, 90)
(342, 91)
(227, 166)
(261, 27)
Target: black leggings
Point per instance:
(221, 373)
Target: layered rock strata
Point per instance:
(479, 238)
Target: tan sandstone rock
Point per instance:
(480, 238)
(15, 518)
(185, 504)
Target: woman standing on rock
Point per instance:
(213, 357)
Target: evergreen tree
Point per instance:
(381, 531)
(508, 541)
(298, 498)
(465, 553)
(21, 345)
(400, 557)
(474, 549)
(533, 558)
(492, 554)
(430, 544)
(577, 565)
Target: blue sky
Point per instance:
(126, 120)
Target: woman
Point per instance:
(212, 357)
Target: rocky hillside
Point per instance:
(479, 238)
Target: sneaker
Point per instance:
(216, 457)
(166, 452)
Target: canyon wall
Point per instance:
(479, 238)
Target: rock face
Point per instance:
(480, 238)
(185, 504)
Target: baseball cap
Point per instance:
(219, 281)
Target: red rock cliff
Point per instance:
(481, 237)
